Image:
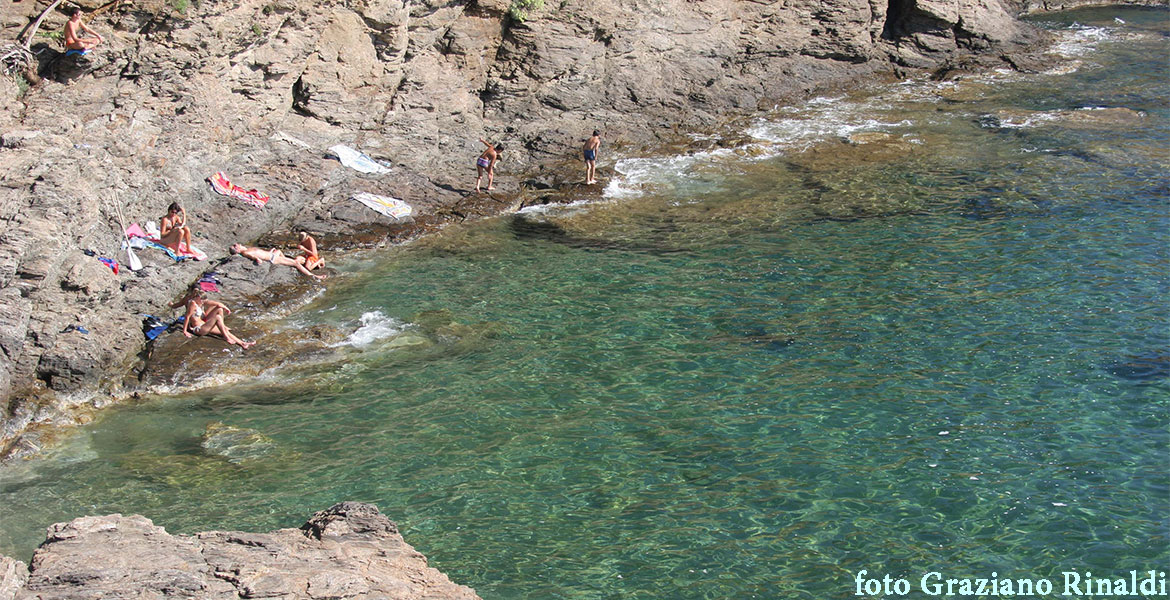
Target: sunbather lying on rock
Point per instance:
(205, 317)
(309, 258)
(273, 256)
(172, 229)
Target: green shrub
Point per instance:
(257, 30)
(520, 9)
(22, 85)
(181, 6)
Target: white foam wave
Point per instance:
(1080, 40)
(1024, 121)
(568, 208)
(821, 119)
(690, 172)
(375, 326)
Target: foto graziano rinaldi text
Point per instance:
(1070, 584)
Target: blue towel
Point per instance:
(170, 253)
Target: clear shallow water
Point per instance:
(751, 377)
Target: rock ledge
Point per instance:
(349, 550)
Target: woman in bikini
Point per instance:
(311, 259)
(173, 231)
(486, 163)
(274, 256)
(205, 317)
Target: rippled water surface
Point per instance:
(750, 373)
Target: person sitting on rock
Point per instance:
(273, 256)
(310, 258)
(205, 317)
(73, 27)
(173, 230)
(486, 163)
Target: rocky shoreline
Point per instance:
(349, 550)
(261, 89)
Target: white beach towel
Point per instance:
(358, 161)
(391, 207)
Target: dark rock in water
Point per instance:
(771, 342)
(1143, 367)
(524, 227)
(983, 208)
(350, 550)
(744, 330)
(998, 203)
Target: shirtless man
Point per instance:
(205, 317)
(310, 258)
(273, 256)
(72, 30)
(589, 150)
(172, 229)
(487, 163)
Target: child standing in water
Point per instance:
(589, 150)
(487, 163)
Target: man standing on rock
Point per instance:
(590, 151)
(74, 27)
(487, 163)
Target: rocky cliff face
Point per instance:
(347, 551)
(259, 89)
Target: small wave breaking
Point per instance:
(375, 326)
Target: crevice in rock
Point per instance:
(300, 98)
(897, 13)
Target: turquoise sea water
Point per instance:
(750, 373)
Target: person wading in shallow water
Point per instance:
(589, 150)
(487, 163)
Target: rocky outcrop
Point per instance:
(260, 89)
(347, 551)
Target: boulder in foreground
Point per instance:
(349, 550)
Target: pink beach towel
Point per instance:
(219, 182)
(135, 231)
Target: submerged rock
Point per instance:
(350, 550)
(236, 444)
(1150, 366)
